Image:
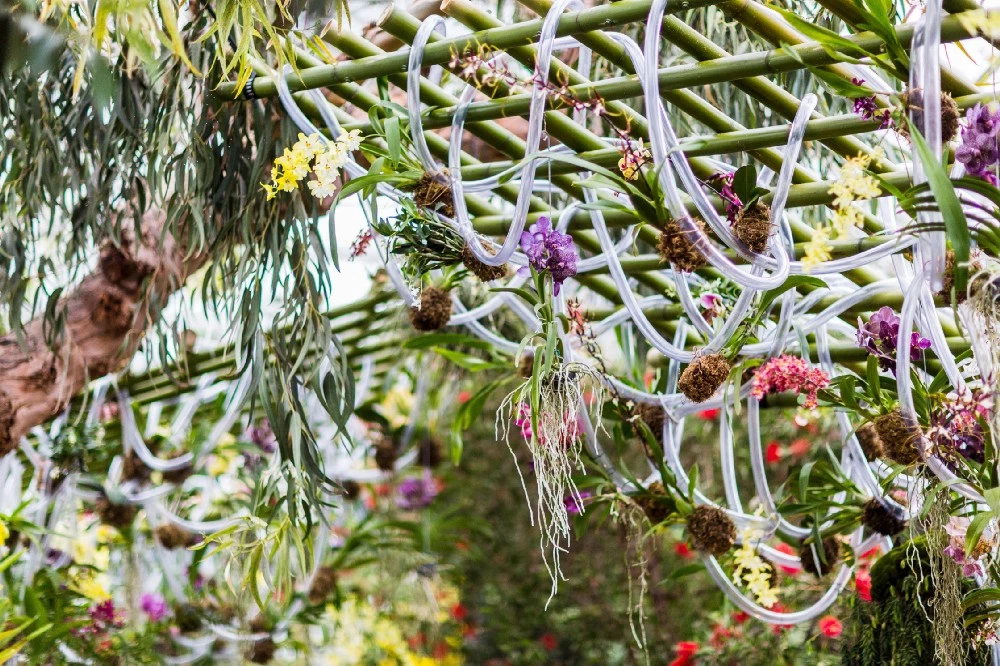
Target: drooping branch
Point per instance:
(104, 319)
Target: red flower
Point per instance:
(647, 378)
(682, 549)
(415, 641)
(871, 554)
(799, 447)
(686, 651)
(863, 583)
(464, 397)
(708, 414)
(739, 617)
(778, 628)
(440, 650)
(461, 545)
(830, 626)
(549, 641)
(787, 550)
(773, 453)
(719, 635)
(458, 612)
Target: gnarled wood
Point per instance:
(105, 318)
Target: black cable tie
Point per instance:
(248, 92)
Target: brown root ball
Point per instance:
(119, 516)
(484, 272)
(434, 311)
(433, 191)
(323, 584)
(677, 247)
(352, 489)
(430, 452)
(177, 476)
(703, 377)
(711, 530)
(881, 519)
(816, 564)
(187, 617)
(869, 441)
(653, 416)
(173, 536)
(753, 226)
(949, 280)
(526, 364)
(133, 469)
(656, 503)
(899, 440)
(262, 651)
(950, 115)
(385, 455)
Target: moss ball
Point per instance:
(655, 503)
(703, 377)
(871, 445)
(753, 226)
(133, 469)
(119, 516)
(949, 281)
(173, 536)
(262, 651)
(882, 519)
(950, 115)
(711, 530)
(677, 247)
(385, 455)
(899, 440)
(653, 416)
(352, 490)
(526, 364)
(433, 191)
(483, 271)
(815, 563)
(434, 311)
(324, 582)
(187, 617)
(430, 452)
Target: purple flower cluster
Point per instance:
(416, 494)
(867, 109)
(956, 426)
(550, 250)
(263, 437)
(880, 336)
(154, 606)
(574, 506)
(728, 194)
(979, 151)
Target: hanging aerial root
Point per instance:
(555, 449)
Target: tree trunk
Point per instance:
(104, 320)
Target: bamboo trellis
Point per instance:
(864, 274)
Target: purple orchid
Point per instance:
(550, 250)
(416, 493)
(880, 336)
(979, 151)
(154, 606)
(868, 110)
(574, 505)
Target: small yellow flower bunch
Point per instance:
(634, 155)
(314, 154)
(852, 185)
(753, 571)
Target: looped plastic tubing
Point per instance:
(429, 25)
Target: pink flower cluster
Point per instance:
(523, 421)
(789, 373)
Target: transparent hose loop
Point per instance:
(413, 107)
(905, 390)
(535, 117)
(206, 389)
(925, 76)
(132, 439)
(666, 149)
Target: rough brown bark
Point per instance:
(105, 319)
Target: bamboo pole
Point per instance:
(604, 16)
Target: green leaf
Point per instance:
(956, 226)
(467, 361)
(745, 182)
(976, 529)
